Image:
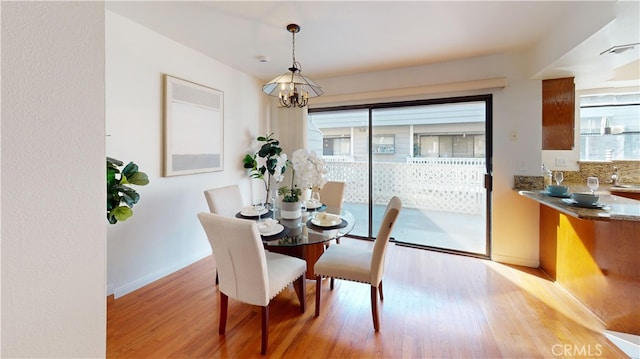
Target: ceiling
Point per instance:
(348, 37)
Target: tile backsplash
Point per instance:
(629, 172)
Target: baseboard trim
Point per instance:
(152, 277)
(525, 262)
(628, 343)
(109, 289)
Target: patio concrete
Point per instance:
(455, 231)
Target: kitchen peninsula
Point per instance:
(593, 254)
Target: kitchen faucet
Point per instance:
(615, 177)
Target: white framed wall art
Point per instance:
(193, 128)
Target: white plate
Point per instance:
(320, 223)
(252, 213)
(275, 229)
(313, 205)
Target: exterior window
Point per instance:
(610, 127)
(336, 146)
(457, 146)
(429, 146)
(384, 144)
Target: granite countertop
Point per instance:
(629, 188)
(614, 207)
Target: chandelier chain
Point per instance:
(293, 52)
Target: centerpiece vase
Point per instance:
(291, 210)
(306, 195)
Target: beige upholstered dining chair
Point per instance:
(332, 194)
(226, 200)
(356, 264)
(247, 272)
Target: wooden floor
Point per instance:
(436, 306)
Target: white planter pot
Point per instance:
(306, 195)
(290, 210)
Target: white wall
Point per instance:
(516, 108)
(53, 175)
(164, 234)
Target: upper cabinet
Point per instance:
(558, 114)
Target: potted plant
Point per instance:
(291, 207)
(120, 195)
(274, 163)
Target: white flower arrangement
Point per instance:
(280, 167)
(310, 169)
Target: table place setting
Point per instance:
(252, 212)
(325, 220)
(314, 205)
(557, 191)
(269, 227)
(584, 200)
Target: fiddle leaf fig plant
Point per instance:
(273, 163)
(120, 195)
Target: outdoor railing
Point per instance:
(441, 184)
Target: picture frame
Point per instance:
(193, 128)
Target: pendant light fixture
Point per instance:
(293, 89)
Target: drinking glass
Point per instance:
(559, 177)
(315, 197)
(593, 183)
(273, 197)
(259, 207)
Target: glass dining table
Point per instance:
(305, 237)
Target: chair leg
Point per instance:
(331, 283)
(265, 333)
(374, 308)
(380, 290)
(301, 292)
(318, 288)
(224, 304)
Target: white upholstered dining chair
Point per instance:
(226, 200)
(357, 264)
(247, 272)
(332, 194)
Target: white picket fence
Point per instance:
(443, 184)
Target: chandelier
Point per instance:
(293, 89)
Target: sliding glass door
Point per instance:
(432, 154)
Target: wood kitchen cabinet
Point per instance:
(597, 262)
(558, 114)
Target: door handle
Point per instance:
(488, 182)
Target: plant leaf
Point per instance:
(113, 162)
(122, 213)
(130, 169)
(250, 162)
(265, 150)
(139, 178)
(129, 195)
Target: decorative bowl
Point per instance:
(557, 190)
(584, 198)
